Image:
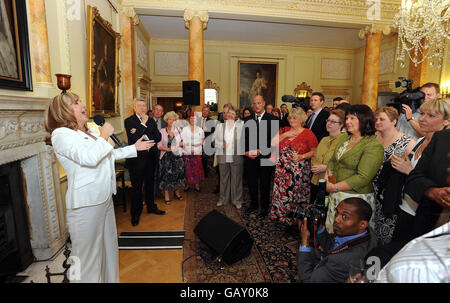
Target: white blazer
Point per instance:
(89, 165)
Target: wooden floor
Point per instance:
(152, 266)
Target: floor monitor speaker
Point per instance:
(225, 237)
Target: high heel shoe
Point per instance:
(179, 197)
(167, 201)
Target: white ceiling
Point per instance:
(165, 27)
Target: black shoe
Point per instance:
(156, 211)
(135, 221)
(187, 189)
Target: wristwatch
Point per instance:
(412, 118)
(336, 187)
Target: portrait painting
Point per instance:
(15, 72)
(103, 73)
(257, 78)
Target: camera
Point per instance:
(404, 83)
(297, 102)
(409, 96)
(315, 213)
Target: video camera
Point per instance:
(409, 96)
(297, 102)
(315, 213)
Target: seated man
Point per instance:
(334, 255)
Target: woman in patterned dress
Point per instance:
(171, 164)
(296, 146)
(394, 142)
(193, 139)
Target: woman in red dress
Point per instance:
(296, 146)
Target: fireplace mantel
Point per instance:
(22, 138)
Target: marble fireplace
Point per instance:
(22, 139)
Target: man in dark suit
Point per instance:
(427, 183)
(284, 115)
(206, 123)
(317, 122)
(158, 113)
(258, 135)
(330, 261)
(142, 168)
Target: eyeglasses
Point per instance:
(333, 122)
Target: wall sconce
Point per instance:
(445, 89)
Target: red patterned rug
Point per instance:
(273, 256)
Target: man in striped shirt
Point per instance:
(425, 259)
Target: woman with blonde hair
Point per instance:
(388, 182)
(171, 163)
(414, 220)
(88, 160)
(296, 144)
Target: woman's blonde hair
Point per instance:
(59, 112)
(390, 112)
(298, 113)
(169, 115)
(441, 106)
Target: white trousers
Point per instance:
(93, 234)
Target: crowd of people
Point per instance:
(386, 181)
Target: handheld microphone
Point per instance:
(100, 120)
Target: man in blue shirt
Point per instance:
(330, 259)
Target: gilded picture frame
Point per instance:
(103, 73)
(15, 66)
(257, 78)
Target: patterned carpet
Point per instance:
(272, 259)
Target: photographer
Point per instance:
(333, 256)
(408, 119)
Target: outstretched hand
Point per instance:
(144, 145)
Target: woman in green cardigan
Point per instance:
(356, 159)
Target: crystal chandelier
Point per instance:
(423, 30)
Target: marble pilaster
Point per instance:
(372, 34)
(128, 20)
(196, 22)
(39, 41)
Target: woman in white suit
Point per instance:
(229, 152)
(88, 160)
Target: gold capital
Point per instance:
(131, 13)
(189, 14)
(374, 28)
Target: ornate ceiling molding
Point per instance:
(333, 11)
